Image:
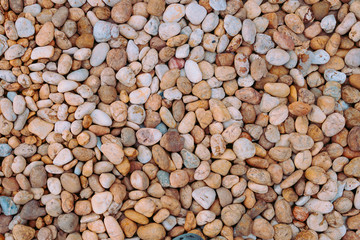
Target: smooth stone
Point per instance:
(232, 25)
(63, 157)
(204, 196)
(164, 178)
(218, 5)
(333, 75)
(8, 207)
(193, 71)
(24, 27)
(101, 118)
(99, 53)
(68, 222)
(100, 202)
(148, 136)
(320, 57)
(7, 75)
(352, 58)
(102, 31)
(277, 57)
(5, 150)
(190, 159)
(113, 152)
(243, 148)
(195, 13)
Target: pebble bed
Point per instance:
(179, 119)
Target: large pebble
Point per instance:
(277, 57)
(204, 196)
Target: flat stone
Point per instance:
(148, 136)
(204, 196)
(113, 152)
(40, 128)
(32, 210)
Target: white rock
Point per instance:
(42, 52)
(3, 44)
(100, 202)
(33, 9)
(218, 5)
(126, 76)
(204, 196)
(182, 51)
(99, 53)
(277, 57)
(24, 27)
(320, 57)
(352, 58)
(210, 22)
(152, 26)
(63, 157)
(140, 95)
(52, 77)
(136, 114)
(328, 23)
(101, 118)
(132, 51)
(102, 31)
(243, 148)
(333, 75)
(19, 104)
(169, 223)
(82, 54)
(172, 94)
(168, 30)
(248, 31)
(232, 25)
(195, 13)
(144, 155)
(76, 3)
(15, 51)
(78, 75)
(319, 206)
(67, 86)
(174, 12)
(192, 71)
(54, 185)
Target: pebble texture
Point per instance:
(179, 119)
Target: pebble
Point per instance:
(100, 202)
(232, 25)
(195, 13)
(192, 120)
(148, 136)
(68, 222)
(352, 58)
(5, 150)
(113, 152)
(244, 148)
(192, 71)
(174, 12)
(23, 232)
(8, 207)
(99, 53)
(190, 160)
(101, 118)
(333, 75)
(277, 57)
(24, 27)
(204, 196)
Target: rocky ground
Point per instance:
(180, 119)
